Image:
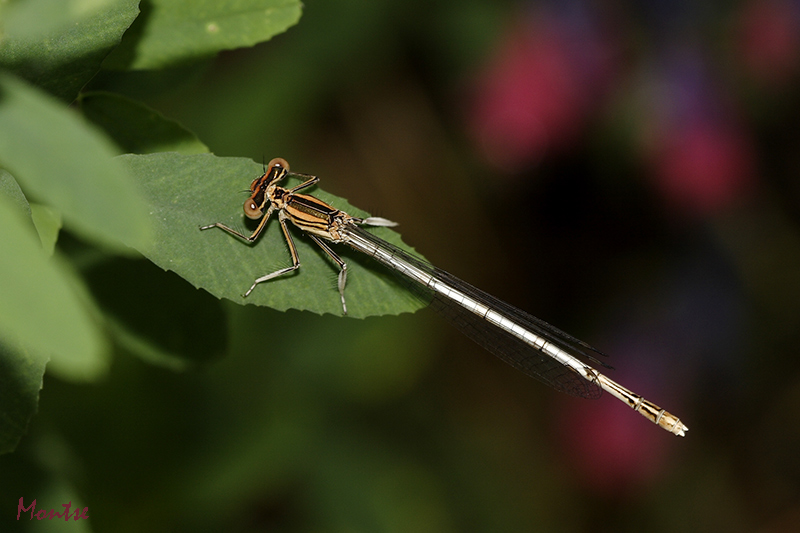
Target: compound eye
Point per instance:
(252, 209)
(279, 162)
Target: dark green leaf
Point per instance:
(21, 375)
(156, 315)
(136, 128)
(186, 192)
(59, 45)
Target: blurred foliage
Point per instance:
(628, 173)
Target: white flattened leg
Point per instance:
(379, 221)
(342, 266)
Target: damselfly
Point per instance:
(521, 340)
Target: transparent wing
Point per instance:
(512, 350)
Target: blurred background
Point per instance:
(628, 171)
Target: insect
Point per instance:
(518, 338)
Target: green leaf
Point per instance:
(135, 127)
(10, 188)
(48, 224)
(58, 45)
(47, 221)
(21, 375)
(39, 307)
(186, 192)
(65, 162)
(177, 31)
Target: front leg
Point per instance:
(308, 183)
(253, 236)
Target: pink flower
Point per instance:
(537, 90)
(611, 450)
(703, 166)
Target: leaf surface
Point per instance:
(176, 31)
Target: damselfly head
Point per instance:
(254, 206)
